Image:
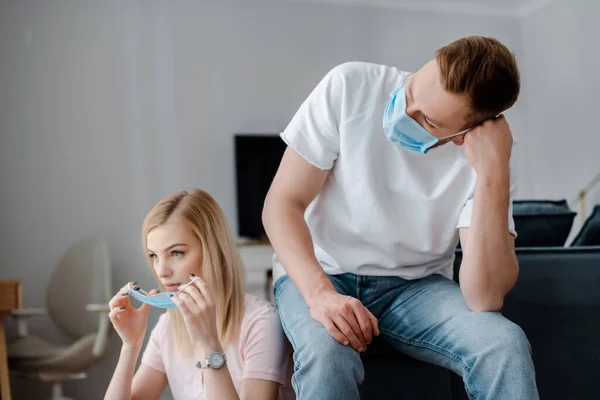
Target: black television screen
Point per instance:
(257, 158)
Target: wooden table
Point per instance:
(10, 298)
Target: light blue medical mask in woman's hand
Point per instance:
(160, 300)
(402, 130)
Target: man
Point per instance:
(365, 215)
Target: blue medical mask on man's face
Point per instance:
(402, 130)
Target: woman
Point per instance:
(218, 343)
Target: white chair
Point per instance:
(77, 302)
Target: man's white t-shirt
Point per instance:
(383, 210)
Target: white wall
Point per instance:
(107, 106)
(561, 88)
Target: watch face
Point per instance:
(216, 360)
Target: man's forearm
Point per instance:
(290, 237)
(489, 268)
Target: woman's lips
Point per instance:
(172, 287)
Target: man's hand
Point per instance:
(344, 318)
(489, 145)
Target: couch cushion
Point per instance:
(542, 223)
(556, 302)
(589, 235)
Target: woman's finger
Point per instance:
(119, 299)
(112, 303)
(189, 301)
(196, 295)
(181, 305)
(203, 287)
(116, 311)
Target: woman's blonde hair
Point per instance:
(221, 263)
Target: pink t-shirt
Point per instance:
(261, 352)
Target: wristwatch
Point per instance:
(214, 360)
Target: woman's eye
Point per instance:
(176, 253)
(152, 256)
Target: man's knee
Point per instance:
(313, 347)
(510, 338)
(502, 336)
(318, 352)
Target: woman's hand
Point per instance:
(129, 322)
(198, 310)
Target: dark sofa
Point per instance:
(556, 301)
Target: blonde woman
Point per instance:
(218, 342)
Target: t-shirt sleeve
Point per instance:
(313, 132)
(464, 219)
(152, 356)
(266, 353)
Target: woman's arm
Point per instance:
(218, 385)
(217, 382)
(120, 384)
(148, 383)
(130, 323)
(259, 389)
(198, 310)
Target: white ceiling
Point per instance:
(472, 7)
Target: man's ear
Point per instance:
(459, 140)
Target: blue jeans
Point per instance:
(427, 319)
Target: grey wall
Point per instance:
(107, 106)
(561, 100)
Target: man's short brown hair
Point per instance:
(484, 70)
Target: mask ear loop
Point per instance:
(456, 134)
(186, 285)
(468, 129)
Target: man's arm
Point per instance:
(489, 267)
(294, 187)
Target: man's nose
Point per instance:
(412, 112)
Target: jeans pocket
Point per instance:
(277, 288)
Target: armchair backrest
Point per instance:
(82, 277)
